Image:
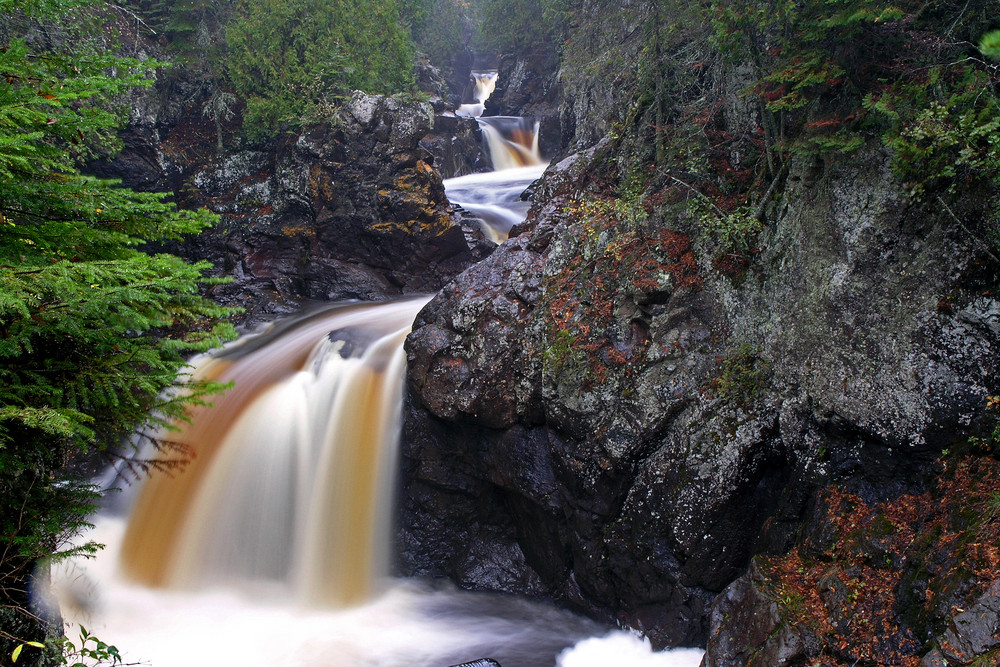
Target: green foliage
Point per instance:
(88, 651)
(291, 59)
(561, 352)
(92, 329)
(742, 375)
(810, 56)
(193, 29)
(990, 45)
(945, 129)
(525, 26)
(727, 233)
(436, 27)
(830, 76)
(802, 47)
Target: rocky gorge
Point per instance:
(779, 451)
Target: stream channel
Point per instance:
(273, 546)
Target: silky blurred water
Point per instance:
(409, 623)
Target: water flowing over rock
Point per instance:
(605, 412)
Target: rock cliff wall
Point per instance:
(613, 422)
(353, 208)
(610, 412)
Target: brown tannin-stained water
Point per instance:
(273, 546)
(284, 476)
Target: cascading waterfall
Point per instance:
(494, 198)
(286, 479)
(270, 546)
(512, 141)
(484, 83)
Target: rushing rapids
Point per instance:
(494, 197)
(512, 141)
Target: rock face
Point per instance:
(906, 581)
(528, 86)
(614, 423)
(350, 209)
(457, 145)
(347, 210)
(578, 98)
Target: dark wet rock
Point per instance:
(456, 145)
(934, 659)
(974, 631)
(745, 624)
(350, 209)
(638, 426)
(897, 582)
(607, 54)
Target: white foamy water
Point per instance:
(494, 197)
(484, 83)
(410, 624)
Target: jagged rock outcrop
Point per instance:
(349, 209)
(620, 426)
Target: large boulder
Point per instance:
(620, 426)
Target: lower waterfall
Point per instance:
(286, 477)
(272, 547)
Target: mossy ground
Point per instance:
(876, 583)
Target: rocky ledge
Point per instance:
(352, 208)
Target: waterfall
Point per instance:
(484, 83)
(512, 141)
(494, 198)
(269, 547)
(289, 471)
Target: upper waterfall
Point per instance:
(484, 83)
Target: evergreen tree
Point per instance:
(92, 329)
(291, 59)
(437, 27)
(526, 26)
